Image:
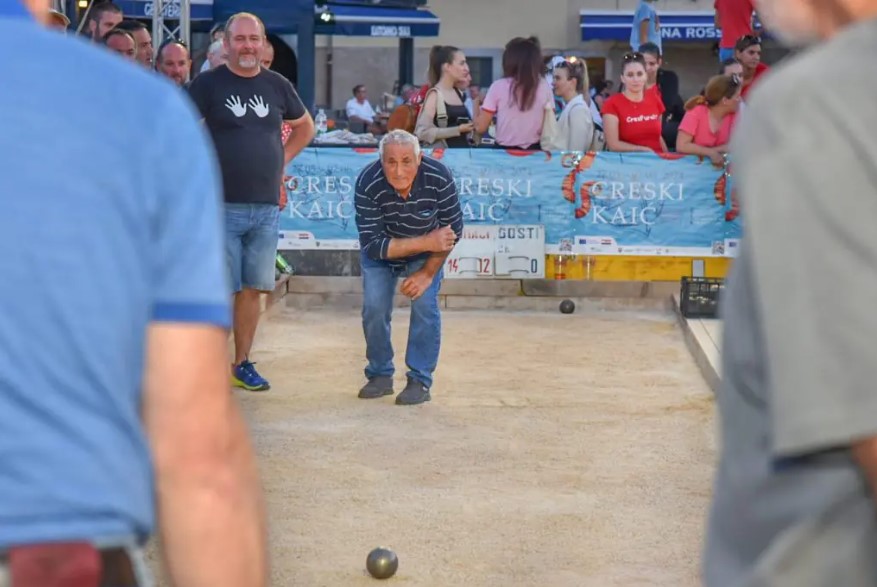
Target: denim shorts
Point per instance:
(251, 233)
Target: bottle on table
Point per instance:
(320, 122)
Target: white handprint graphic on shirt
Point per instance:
(257, 105)
(233, 103)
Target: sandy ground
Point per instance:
(557, 451)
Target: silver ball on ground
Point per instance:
(381, 563)
(567, 307)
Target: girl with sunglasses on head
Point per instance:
(632, 117)
(748, 52)
(706, 127)
(575, 125)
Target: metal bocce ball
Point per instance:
(382, 563)
(567, 307)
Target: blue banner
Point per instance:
(595, 203)
(676, 25)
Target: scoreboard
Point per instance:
(512, 251)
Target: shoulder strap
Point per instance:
(441, 112)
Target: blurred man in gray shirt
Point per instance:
(794, 494)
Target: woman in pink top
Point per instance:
(519, 99)
(706, 128)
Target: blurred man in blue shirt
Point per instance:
(114, 389)
(646, 26)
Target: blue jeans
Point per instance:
(251, 233)
(725, 53)
(425, 329)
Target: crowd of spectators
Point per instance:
(106, 24)
(646, 113)
(540, 102)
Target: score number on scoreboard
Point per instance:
(512, 251)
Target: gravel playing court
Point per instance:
(557, 451)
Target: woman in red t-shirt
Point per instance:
(632, 118)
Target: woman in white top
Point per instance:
(576, 125)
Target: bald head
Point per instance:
(267, 55)
(243, 16)
(244, 40)
(174, 62)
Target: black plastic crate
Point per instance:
(700, 296)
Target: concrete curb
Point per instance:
(696, 348)
(493, 294)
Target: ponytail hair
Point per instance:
(439, 55)
(696, 101)
(717, 89)
(576, 70)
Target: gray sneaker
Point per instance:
(414, 393)
(377, 387)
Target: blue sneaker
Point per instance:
(246, 377)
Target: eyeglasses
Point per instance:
(634, 56)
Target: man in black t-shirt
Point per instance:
(244, 107)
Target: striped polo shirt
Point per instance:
(382, 215)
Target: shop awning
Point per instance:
(374, 21)
(678, 26)
(199, 10)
